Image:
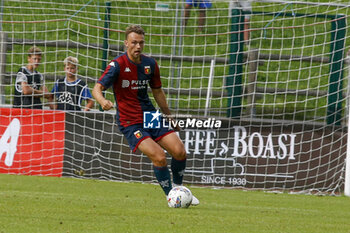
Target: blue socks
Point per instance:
(163, 177)
(178, 170)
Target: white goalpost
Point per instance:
(281, 95)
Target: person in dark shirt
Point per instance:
(29, 86)
(129, 75)
(71, 91)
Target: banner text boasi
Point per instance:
(265, 156)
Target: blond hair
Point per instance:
(71, 60)
(34, 50)
(134, 28)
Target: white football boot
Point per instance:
(195, 200)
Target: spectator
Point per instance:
(70, 91)
(245, 6)
(29, 87)
(202, 5)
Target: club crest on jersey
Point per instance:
(138, 134)
(127, 69)
(147, 69)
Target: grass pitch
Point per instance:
(49, 204)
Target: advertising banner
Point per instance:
(229, 153)
(31, 141)
(266, 156)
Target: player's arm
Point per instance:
(97, 94)
(22, 81)
(48, 95)
(53, 106)
(50, 98)
(89, 105)
(160, 98)
(105, 81)
(158, 93)
(86, 95)
(52, 101)
(28, 90)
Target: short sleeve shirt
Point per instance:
(130, 82)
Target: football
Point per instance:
(179, 197)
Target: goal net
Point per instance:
(273, 73)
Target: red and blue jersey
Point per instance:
(130, 82)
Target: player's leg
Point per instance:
(201, 19)
(187, 12)
(139, 138)
(175, 147)
(203, 6)
(156, 154)
(173, 144)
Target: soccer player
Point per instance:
(202, 5)
(130, 74)
(29, 88)
(71, 91)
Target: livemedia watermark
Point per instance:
(156, 120)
